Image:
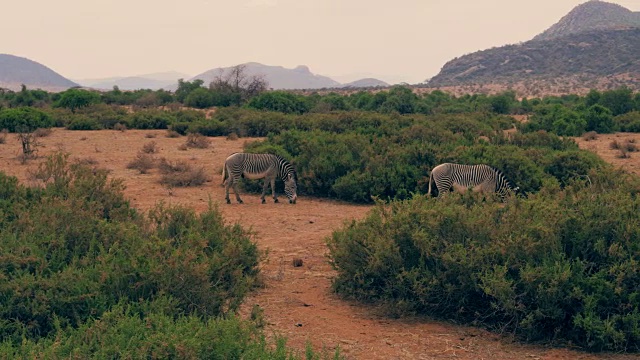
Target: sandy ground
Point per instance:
(297, 301)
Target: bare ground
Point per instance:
(297, 301)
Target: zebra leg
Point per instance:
(273, 190)
(226, 189)
(264, 190)
(235, 189)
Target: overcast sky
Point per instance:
(398, 40)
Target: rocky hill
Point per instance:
(277, 77)
(15, 71)
(590, 16)
(365, 83)
(577, 52)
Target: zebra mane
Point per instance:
(287, 164)
(504, 178)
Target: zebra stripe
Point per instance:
(480, 178)
(259, 166)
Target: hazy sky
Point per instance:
(399, 40)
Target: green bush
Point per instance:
(572, 165)
(560, 266)
(629, 122)
(599, 119)
(24, 119)
(150, 119)
(139, 331)
(211, 127)
(280, 101)
(72, 253)
(83, 123)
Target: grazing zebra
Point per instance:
(478, 178)
(258, 166)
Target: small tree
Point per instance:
(599, 119)
(29, 144)
(238, 85)
(185, 88)
(73, 99)
(199, 98)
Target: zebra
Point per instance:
(478, 178)
(258, 166)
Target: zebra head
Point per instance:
(290, 187)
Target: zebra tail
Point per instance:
(430, 177)
(223, 174)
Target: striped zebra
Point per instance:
(258, 166)
(478, 178)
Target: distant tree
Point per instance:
(502, 103)
(164, 97)
(281, 101)
(599, 119)
(237, 84)
(200, 98)
(526, 105)
(186, 87)
(74, 99)
(24, 119)
(592, 98)
(400, 99)
(331, 101)
(23, 98)
(149, 99)
(361, 100)
(619, 101)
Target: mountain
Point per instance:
(365, 83)
(277, 77)
(154, 81)
(590, 16)
(576, 53)
(15, 71)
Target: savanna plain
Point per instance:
(297, 301)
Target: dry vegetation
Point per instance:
(300, 295)
(198, 141)
(143, 163)
(150, 148)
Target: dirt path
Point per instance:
(297, 301)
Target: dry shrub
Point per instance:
(198, 141)
(42, 132)
(143, 163)
(232, 136)
(150, 135)
(83, 138)
(626, 146)
(3, 136)
(183, 147)
(590, 135)
(150, 148)
(167, 167)
(29, 146)
(623, 154)
(180, 174)
(172, 134)
(87, 161)
(120, 127)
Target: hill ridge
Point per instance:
(16, 70)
